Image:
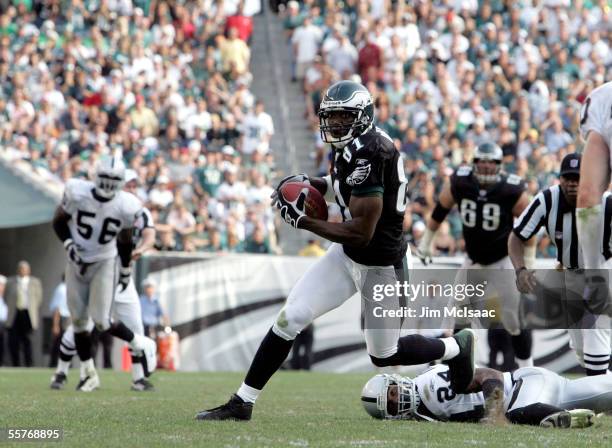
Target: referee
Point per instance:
(555, 209)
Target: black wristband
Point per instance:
(518, 271)
(439, 212)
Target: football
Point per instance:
(315, 205)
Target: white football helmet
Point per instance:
(110, 176)
(375, 392)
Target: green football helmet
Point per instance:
(346, 112)
(488, 152)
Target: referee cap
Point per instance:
(570, 164)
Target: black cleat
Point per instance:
(58, 381)
(142, 385)
(235, 409)
(463, 366)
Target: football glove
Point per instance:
(124, 277)
(293, 178)
(292, 211)
(72, 252)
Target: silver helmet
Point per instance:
(110, 176)
(374, 397)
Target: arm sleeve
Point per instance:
(594, 114)
(531, 219)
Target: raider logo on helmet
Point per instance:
(346, 112)
(110, 175)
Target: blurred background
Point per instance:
(211, 102)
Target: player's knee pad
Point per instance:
(291, 320)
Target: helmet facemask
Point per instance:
(384, 387)
(340, 126)
(487, 173)
(110, 177)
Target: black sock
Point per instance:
(412, 350)
(270, 355)
(591, 372)
(83, 345)
(64, 356)
(416, 349)
(532, 414)
(522, 344)
(118, 329)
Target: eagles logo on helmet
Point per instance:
(346, 112)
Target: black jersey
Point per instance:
(486, 213)
(371, 166)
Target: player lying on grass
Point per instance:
(528, 396)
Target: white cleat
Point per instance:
(576, 418)
(90, 383)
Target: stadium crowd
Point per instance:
(448, 75)
(168, 83)
(165, 82)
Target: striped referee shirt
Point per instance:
(550, 209)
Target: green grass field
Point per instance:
(296, 410)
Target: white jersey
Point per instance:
(95, 224)
(596, 114)
(441, 401)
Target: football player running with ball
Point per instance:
(95, 222)
(368, 183)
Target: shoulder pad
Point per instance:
(75, 187)
(464, 170)
(130, 203)
(384, 135)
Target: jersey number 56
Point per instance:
(85, 226)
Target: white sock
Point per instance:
(248, 393)
(137, 344)
(451, 348)
(85, 366)
(137, 371)
(524, 362)
(63, 367)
